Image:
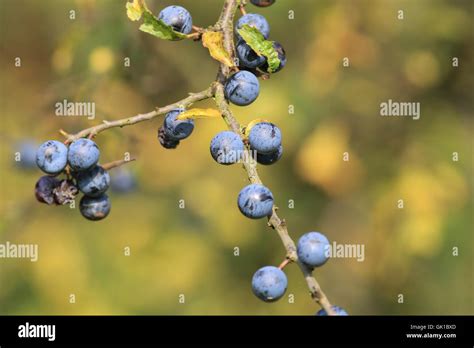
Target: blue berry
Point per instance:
(123, 181)
(254, 20)
(177, 129)
(27, 150)
(247, 56)
(51, 157)
(337, 309)
(312, 249)
(227, 147)
(83, 154)
(281, 56)
(95, 208)
(267, 159)
(265, 137)
(242, 88)
(93, 182)
(178, 18)
(269, 283)
(262, 3)
(165, 140)
(255, 201)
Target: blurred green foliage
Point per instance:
(190, 251)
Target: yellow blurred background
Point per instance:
(190, 251)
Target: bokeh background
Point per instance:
(190, 251)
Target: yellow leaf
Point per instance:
(198, 113)
(134, 10)
(214, 41)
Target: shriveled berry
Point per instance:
(44, 189)
(65, 192)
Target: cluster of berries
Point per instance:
(79, 161)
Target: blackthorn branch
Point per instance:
(225, 24)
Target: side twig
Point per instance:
(93, 131)
(115, 164)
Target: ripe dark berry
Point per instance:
(242, 88)
(248, 58)
(44, 189)
(51, 157)
(93, 182)
(267, 159)
(262, 3)
(83, 154)
(165, 140)
(269, 283)
(227, 147)
(255, 201)
(177, 129)
(281, 56)
(95, 208)
(177, 17)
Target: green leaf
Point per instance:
(158, 28)
(262, 47)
